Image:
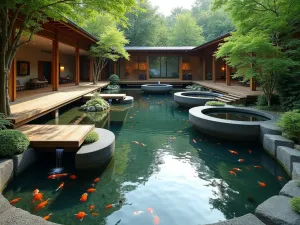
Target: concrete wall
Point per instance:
(33, 55)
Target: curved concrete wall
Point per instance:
(184, 99)
(229, 129)
(157, 88)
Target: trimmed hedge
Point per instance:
(114, 79)
(290, 124)
(295, 204)
(12, 142)
(91, 138)
(214, 103)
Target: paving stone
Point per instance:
(268, 128)
(296, 171)
(277, 211)
(4, 204)
(271, 142)
(287, 156)
(6, 172)
(248, 219)
(15, 216)
(291, 189)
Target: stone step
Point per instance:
(296, 171)
(291, 189)
(287, 156)
(248, 219)
(271, 142)
(228, 98)
(236, 96)
(222, 100)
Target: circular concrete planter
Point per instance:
(127, 100)
(188, 99)
(157, 88)
(229, 129)
(98, 153)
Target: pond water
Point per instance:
(238, 116)
(181, 174)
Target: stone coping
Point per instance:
(229, 129)
(157, 88)
(187, 100)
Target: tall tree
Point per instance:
(268, 30)
(186, 32)
(142, 24)
(111, 44)
(34, 14)
(171, 19)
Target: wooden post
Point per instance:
(252, 84)
(147, 69)
(91, 69)
(228, 77)
(55, 64)
(115, 68)
(203, 68)
(77, 66)
(214, 69)
(13, 76)
(180, 68)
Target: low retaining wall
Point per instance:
(186, 99)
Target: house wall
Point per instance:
(33, 55)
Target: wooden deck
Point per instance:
(34, 106)
(235, 88)
(107, 96)
(155, 81)
(56, 136)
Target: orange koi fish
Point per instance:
(38, 197)
(150, 210)
(92, 207)
(96, 180)
(80, 215)
(258, 167)
(279, 178)
(36, 191)
(47, 217)
(14, 201)
(180, 131)
(241, 160)
(156, 220)
(84, 197)
(233, 152)
(250, 151)
(194, 141)
(135, 142)
(142, 144)
(95, 214)
(262, 184)
(232, 172)
(237, 169)
(90, 190)
(60, 186)
(57, 176)
(41, 205)
(136, 213)
(73, 177)
(172, 138)
(109, 206)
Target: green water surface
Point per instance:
(183, 181)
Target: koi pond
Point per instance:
(163, 171)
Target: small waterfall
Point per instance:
(59, 157)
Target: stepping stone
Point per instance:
(271, 142)
(268, 128)
(248, 219)
(277, 211)
(291, 189)
(6, 171)
(287, 156)
(15, 216)
(296, 171)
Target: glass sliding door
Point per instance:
(164, 67)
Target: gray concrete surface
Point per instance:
(271, 142)
(6, 172)
(287, 156)
(157, 88)
(186, 99)
(296, 171)
(248, 219)
(291, 189)
(24, 160)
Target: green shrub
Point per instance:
(12, 142)
(114, 79)
(4, 123)
(91, 138)
(262, 100)
(290, 124)
(96, 104)
(215, 103)
(295, 204)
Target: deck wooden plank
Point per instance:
(26, 109)
(56, 136)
